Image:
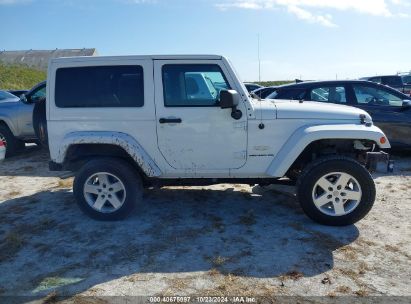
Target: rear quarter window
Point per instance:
(99, 86)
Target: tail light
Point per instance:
(1, 143)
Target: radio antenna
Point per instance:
(259, 59)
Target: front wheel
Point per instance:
(40, 122)
(336, 191)
(11, 143)
(107, 189)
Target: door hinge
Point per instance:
(240, 155)
(241, 125)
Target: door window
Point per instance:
(368, 95)
(294, 94)
(193, 85)
(333, 94)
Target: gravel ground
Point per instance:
(218, 240)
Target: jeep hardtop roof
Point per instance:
(137, 57)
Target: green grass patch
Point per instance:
(18, 77)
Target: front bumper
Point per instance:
(374, 158)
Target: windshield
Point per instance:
(6, 95)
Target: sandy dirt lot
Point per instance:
(218, 240)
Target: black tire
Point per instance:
(40, 122)
(12, 144)
(313, 172)
(120, 169)
(21, 145)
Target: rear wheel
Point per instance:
(336, 191)
(107, 189)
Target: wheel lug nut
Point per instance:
(330, 189)
(329, 196)
(339, 188)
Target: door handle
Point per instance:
(170, 120)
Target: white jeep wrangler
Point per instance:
(124, 123)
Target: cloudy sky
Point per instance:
(312, 39)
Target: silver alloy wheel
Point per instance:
(336, 194)
(104, 192)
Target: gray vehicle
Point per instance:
(16, 118)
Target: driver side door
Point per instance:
(195, 136)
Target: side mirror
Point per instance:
(231, 99)
(23, 98)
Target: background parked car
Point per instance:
(252, 86)
(18, 93)
(393, 81)
(16, 118)
(389, 108)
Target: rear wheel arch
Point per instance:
(103, 143)
(8, 124)
(78, 155)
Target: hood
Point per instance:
(264, 109)
(8, 100)
(291, 109)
